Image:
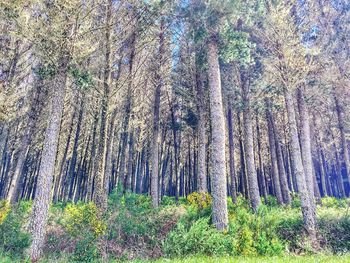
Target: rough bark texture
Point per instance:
(47, 164)
(155, 143)
(100, 196)
(248, 144)
(308, 215)
(219, 191)
(305, 142)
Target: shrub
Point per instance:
(254, 233)
(199, 238)
(4, 210)
(85, 250)
(13, 240)
(332, 202)
(336, 232)
(199, 200)
(83, 218)
(168, 201)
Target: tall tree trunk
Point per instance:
(220, 216)
(248, 143)
(154, 143)
(202, 176)
(308, 213)
(47, 164)
(306, 147)
(100, 196)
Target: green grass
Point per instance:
(282, 259)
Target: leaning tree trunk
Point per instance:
(308, 215)
(248, 144)
(47, 164)
(219, 191)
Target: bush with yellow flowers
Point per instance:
(81, 218)
(199, 200)
(4, 210)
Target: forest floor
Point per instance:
(273, 259)
(177, 233)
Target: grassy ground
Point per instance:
(282, 259)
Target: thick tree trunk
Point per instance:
(305, 143)
(47, 164)
(220, 216)
(248, 143)
(308, 212)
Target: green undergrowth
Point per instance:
(131, 229)
(273, 259)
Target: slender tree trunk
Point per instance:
(248, 143)
(100, 196)
(220, 216)
(155, 143)
(202, 176)
(231, 155)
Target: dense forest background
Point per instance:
(239, 99)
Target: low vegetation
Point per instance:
(132, 230)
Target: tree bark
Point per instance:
(154, 143)
(308, 213)
(220, 216)
(306, 147)
(47, 164)
(100, 196)
(248, 143)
